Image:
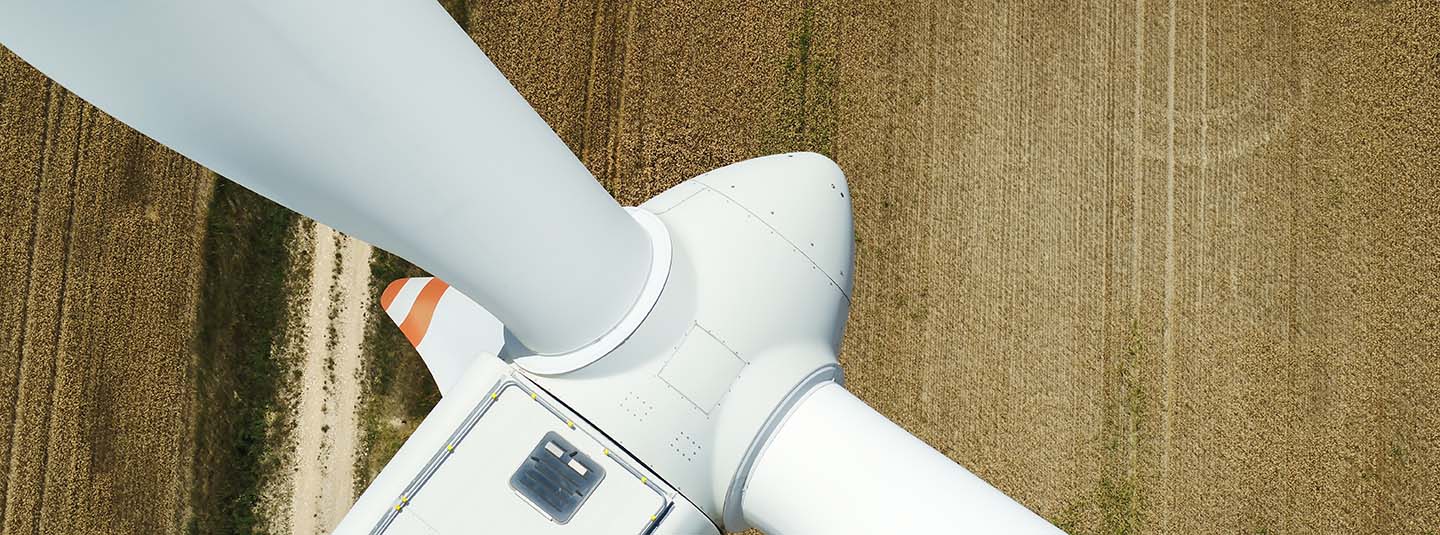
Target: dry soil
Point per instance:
(314, 483)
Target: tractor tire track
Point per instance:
(60, 323)
(25, 292)
(104, 287)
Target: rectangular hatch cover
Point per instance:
(556, 478)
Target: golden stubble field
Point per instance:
(101, 232)
(1147, 266)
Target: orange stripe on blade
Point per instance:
(418, 321)
(388, 296)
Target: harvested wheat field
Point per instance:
(141, 299)
(1161, 267)
(100, 258)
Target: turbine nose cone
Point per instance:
(804, 198)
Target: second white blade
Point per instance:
(836, 466)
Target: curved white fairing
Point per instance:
(836, 466)
(448, 329)
(378, 117)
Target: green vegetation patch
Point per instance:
(1119, 499)
(398, 391)
(805, 119)
(458, 10)
(241, 319)
(1116, 506)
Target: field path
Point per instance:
(325, 435)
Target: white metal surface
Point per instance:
(449, 330)
(659, 273)
(746, 317)
(728, 387)
(835, 466)
(452, 475)
(479, 471)
(804, 198)
(460, 332)
(377, 117)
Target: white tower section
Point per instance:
(837, 466)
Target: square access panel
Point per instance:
(702, 368)
(557, 478)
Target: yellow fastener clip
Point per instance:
(398, 506)
(570, 423)
(494, 395)
(404, 499)
(449, 447)
(532, 395)
(644, 479)
(652, 518)
(607, 452)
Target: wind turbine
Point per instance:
(667, 368)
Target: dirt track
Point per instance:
(1147, 266)
(322, 484)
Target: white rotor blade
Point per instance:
(378, 117)
(837, 466)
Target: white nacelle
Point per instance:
(455, 472)
(753, 313)
(728, 389)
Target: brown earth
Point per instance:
(101, 234)
(1146, 266)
